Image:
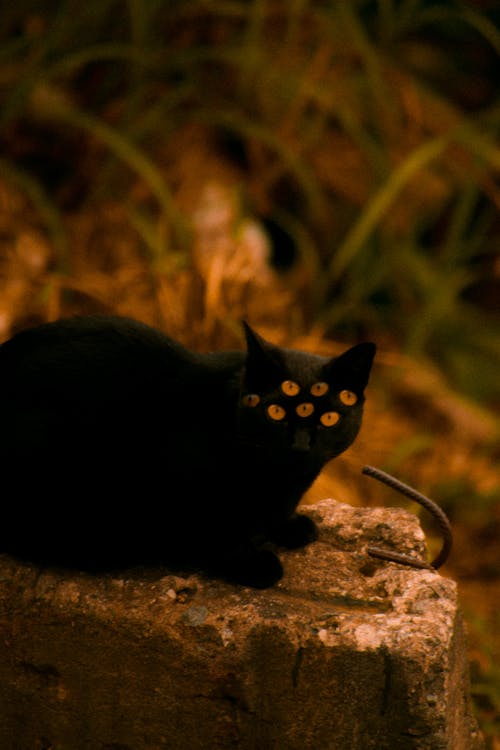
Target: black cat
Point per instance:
(119, 446)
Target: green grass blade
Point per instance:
(382, 200)
(56, 108)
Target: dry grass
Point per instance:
(146, 151)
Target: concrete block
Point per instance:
(345, 653)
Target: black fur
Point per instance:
(119, 446)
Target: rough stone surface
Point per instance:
(346, 653)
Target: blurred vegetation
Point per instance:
(366, 133)
(362, 138)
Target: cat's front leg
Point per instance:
(249, 565)
(296, 531)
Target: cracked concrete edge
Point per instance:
(331, 603)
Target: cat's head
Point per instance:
(298, 405)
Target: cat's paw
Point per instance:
(298, 531)
(259, 570)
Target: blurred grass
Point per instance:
(364, 132)
(367, 131)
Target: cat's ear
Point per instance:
(352, 369)
(263, 363)
(257, 346)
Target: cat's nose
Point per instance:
(301, 440)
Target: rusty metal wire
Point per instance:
(430, 506)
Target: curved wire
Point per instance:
(432, 507)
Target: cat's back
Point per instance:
(105, 357)
(96, 339)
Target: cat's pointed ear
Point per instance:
(258, 346)
(352, 369)
(263, 361)
(251, 336)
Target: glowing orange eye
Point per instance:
(276, 412)
(251, 399)
(348, 398)
(319, 389)
(304, 410)
(290, 388)
(329, 418)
